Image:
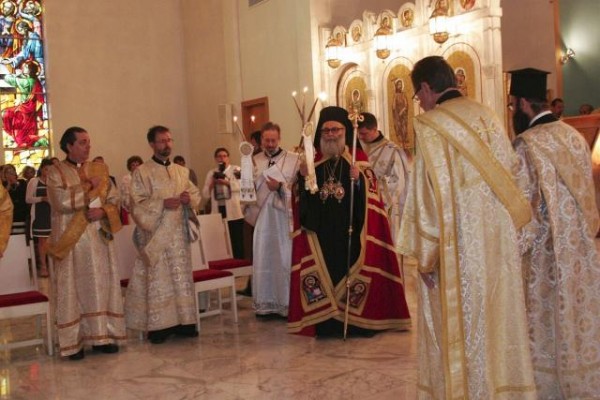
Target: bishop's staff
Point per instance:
(247, 189)
(355, 117)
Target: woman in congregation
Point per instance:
(40, 213)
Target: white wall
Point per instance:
(276, 58)
(116, 68)
(206, 58)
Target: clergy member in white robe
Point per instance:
(160, 295)
(85, 216)
(275, 173)
(392, 167)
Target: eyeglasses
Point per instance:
(334, 130)
(164, 141)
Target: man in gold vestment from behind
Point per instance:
(460, 222)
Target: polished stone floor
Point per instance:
(254, 359)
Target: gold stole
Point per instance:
(467, 141)
(6, 216)
(78, 224)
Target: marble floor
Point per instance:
(254, 359)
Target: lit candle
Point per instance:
(303, 104)
(296, 103)
(312, 110)
(240, 132)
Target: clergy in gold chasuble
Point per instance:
(89, 305)
(460, 222)
(6, 210)
(161, 290)
(561, 266)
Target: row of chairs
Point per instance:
(214, 269)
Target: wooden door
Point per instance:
(255, 113)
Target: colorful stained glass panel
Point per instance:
(23, 105)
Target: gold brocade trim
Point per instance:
(313, 319)
(550, 370)
(6, 216)
(102, 313)
(459, 340)
(378, 325)
(378, 271)
(453, 351)
(90, 315)
(381, 243)
(112, 223)
(495, 175)
(73, 347)
(78, 224)
(329, 305)
(426, 389)
(70, 236)
(370, 195)
(520, 389)
(426, 235)
(378, 210)
(303, 261)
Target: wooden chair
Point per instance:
(207, 280)
(19, 294)
(215, 243)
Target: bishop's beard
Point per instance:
(332, 147)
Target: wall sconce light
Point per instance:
(438, 25)
(383, 42)
(333, 52)
(567, 56)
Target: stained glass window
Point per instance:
(23, 105)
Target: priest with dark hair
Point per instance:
(561, 265)
(321, 256)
